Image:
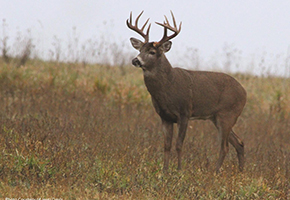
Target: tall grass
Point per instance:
(89, 133)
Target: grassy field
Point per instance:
(90, 132)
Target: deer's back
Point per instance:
(195, 94)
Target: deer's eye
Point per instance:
(152, 53)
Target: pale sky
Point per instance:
(254, 27)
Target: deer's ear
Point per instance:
(166, 46)
(137, 44)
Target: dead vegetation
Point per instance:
(89, 133)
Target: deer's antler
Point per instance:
(166, 26)
(135, 27)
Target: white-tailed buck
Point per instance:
(179, 95)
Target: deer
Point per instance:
(179, 95)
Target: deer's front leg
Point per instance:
(182, 126)
(168, 132)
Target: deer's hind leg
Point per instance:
(239, 146)
(224, 124)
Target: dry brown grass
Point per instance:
(76, 132)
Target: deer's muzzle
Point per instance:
(136, 62)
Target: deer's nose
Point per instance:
(136, 62)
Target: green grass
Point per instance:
(75, 132)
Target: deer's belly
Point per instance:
(201, 117)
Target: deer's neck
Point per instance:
(160, 77)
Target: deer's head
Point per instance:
(151, 51)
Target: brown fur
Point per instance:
(179, 95)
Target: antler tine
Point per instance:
(130, 18)
(166, 26)
(135, 27)
(173, 19)
(147, 33)
(160, 23)
(167, 21)
(137, 19)
(145, 24)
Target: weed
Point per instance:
(92, 133)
